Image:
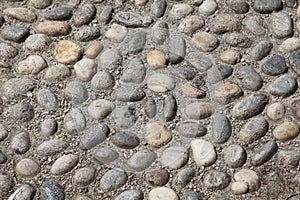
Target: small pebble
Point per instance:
(238, 6)
(113, 179)
(281, 25)
(157, 135)
(256, 25)
(85, 69)
(57, 72)
(221, 128)
(25, 191)
(22, 14)
(178, 11)
(67, 52)
(264, 153)
(249, 78)
(158, 8)
(230, 56)
(7, 51)
(236, 39)
(125, 140)
(205, 41)
(160, 83)
(261, 50)
(105, 15)
(135, 71)
(226, 93)
(47, 99)
(295, 106)
(218, 73)
(157, 177)
(33, 64)
(17, 87)
(102, 80)
(174, 157)
(184, 176)
(27, 168)
(76, 92)
(105, 155)
(116, 33)
(20, 143)
(87, 33)
(130, 195)
(266, 7)
(150, 108)
(191, 129)
(48, 127)
(204, 152)
(286, 131)
(125, 116)
(37, 42)
(52, 190)
(160, 32)
(290, 45)
(136, 42)
(274, 66)
(109, 59)
(199, 61)
(93, 50)
(223, 23)
(235, 156)
(59, 13)
(284, 86)
(84, 14)
(191, 24)
(156, 59)
(191, 91)
(15, 33)
(169, 108)
(93, 135)
(40, 4)
(289, 157)
(208, 7)
(74, 121)
(161, 193)
(133, 19)
(6, 184)
(295, 61)
(177, 49)
(100, 108)
(129, 94)
(64, 164)
(276, 111)
(239, 188)
(3, 132)
(3, 158)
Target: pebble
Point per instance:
(133, 19)
(199, 61)
(37, 42)
(125, 140)
(27, 168)
(238, 6)
(84, 176)
(158, 8)
(130, 195)
(191, 24)
(295, 61)
(150, 108)
(64, 164)
(141, 160)
(93, 50)
(129, 94)
(178, 11)
(169, 108)
(191, 91)
(8, 51)
(281, 25)
(266, 7)
(237, 40)
(23, 112)
(1, 21)
(59, 13)
(248, 176)
(105, 15)
(140, 2)
(230, 56)
(104, 155)
(157, 135)
(20, 143)
(135, 72)
(3, 158)
(276, 111)
(100, 108)
(256, 25)
(21, 14)
(289, 157)
(109, 59)
(264, 153)
(15, 33)
(221, 128)
(191, 195)
(102, 80)
(218, 73)
(47, 99)
(160, 32)
(57, 73)
(84, 14)
(205, 41)
(177, 49)
(160, 83)
(199, 110)
(253, 130)
(216, 180)
(235, 156)
(93, 135)
(223, 23)
(53, 28)
(157, 177)
(191, 129)
(174, 157)
(25, 191)
(184, 176)
(67, 52)
(204, 152)
(3, 132)
(274, 66)
(261, 50)
(40, 4)
(52, 190)
(76, 92)
(116, 33)
(33, 64)
(286, 131)
(249, 78)
(136, 42)
(113, 179)
(295, 107)
(125, 116)
(156, 59)
(284, 85)
(48, 127)
(290, 45)
(208, 7)
(226, 93)
(250, 106)
(87, 33)
(51, 147)
(82, 197)
(74, 120)
(6, 184)
(85, 69)
(161, 193)
(17, 87)
(239, 188)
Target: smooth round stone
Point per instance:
(15, 33)
(230, 56)
(158, 8)
(235, 156)
(47, 99)
(3, 158)
(216, 180)
(51, 147)
(284, 86)
(177, 49)
(33, 64)
(261, 50)
(84, 176)
(67, 52)
(93, 135)
(223, 23)
(191, 129)
(48, 127)
(178, 11)
(85, 69)
(113, 179)
(281, 25)
(205, 41)
(264, 153)
(266, 7)
(161, 193)
(295, 107)
(249, 78)
(136, 42)
(116, 33)
(174, 157)
(129, 94)
(23, 112)
(236, 39)
(59, 13)
(248, 176)
(160, 32)
(135, 71)
(6, 184)
(7, 50)
(191, 24)
(238, 6)
(157, 135)
(256, 25)
(27, 168)
(150, 108)
(125, 116)
(157, 177)
(289, 45)
(109, 59)
(130, 195)
(105, 155)
(40, 4)
(226, 93)
(276, 111)
(22, 14)
(208, 7)
(169, 108)
(100, 108)
(204, 152)
(74, 121)
(105, 15)
(160, 83)
(84, 14)
(184, 176)
(191, 91)
(93, 50)
(52, 190)
(125, 140)
(295, 61)
(239, 188)
(199, 61)
(191, 195)
(20, 143)
(25, 191)
(102, 81)
(199, 110)
(53, 28)
(286, 131)
(221, 129)
(57, 72)
(253, 130)
(141, 160)
(289, 157)
(218, 73)
(17, 87)
(64, 164)
(274, 66)
(156, 59)
(76, 92)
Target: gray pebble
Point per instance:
(15, 33)
(221, 129)
(169, 108)
(157, 177)
(3, 132)
(133, 19)
(261, 50)
(294, 59)
(106, 13)
(249, 78)
(237, 40)
(84, 14)
(178, 11)
(47, 99)
(191, 24)
(191, 195)
(3, 158)
(130, 195)
(100, 108)
(253, 130)
(266, 6)
(125, 140)
(250, 106)
(109, 59)
(76, 92)
(59, 13)
(199, 61)
(289, 157)
(177, 49)
(64, 164)
(104, 155)
(216, 180)
(184, 73)
(23, 112)
(135, 71)
(184, 176)
(84, 176)
(238, 6)
(6, 184)
(57, 73)
(284, 86)
(274, 66)
(52, 190)
(113, 179)
(51, 147)
(158, 8)
(264, 153)
(223, 23)
(208, 7)
(141, 160)
(7, 51)
(255, 25)
(87, 33)
(125, 116)
(17, 87)
(136, 42)
(199, 110)
(150, 107)
(218, 73)
(102, 80)
(74, 121)
(281, 25)
(235, 156)
(48, 127)
(160, 32)
(24, 192)
(174, 157)
(129, 94)
(40, 4)
(191, 129)
(93, 135)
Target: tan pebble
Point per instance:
(227, 92)
(156, 59)
(64, 164)
(162, 193)
(204, 152)
(116, 33)
(290, 45)
(239, 188)
(160, 83)
(191, 91)
(286, 131)
(248, 176)
(27, 168)
(276, 111)
(205, 41)
(93, 50)
(157, 135)
(140, 2)
(67, 52)
(53, 28)
(22, 14)
(230, 56)
(199, 110)
(31, 65)
(85, 69)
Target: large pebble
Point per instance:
(191, 24)
(157, 134)
(59, 13)
(276, 111)
(136, 42)
(204, 152)
(189, 90)
(150, 108)
(74, 121)
(133, 19)
(53, 28)
(48, 127)
(20, 143)
(158, 7)
(249, 78)
(109, 59)
(93, 49)
(100, 108)
(264, 153)
(106, 13)
(216, 180)
(160, 32)
(129, 94)
(230, 56)
(84, 14)
(238, 6)
(76, 92)
(102, 80)
(205, 41)
(125, 116)
(156, 59)
(191, 129)
(199, 110)
(27, 168)
(237, 40)
(135, 72)
(265, 6)
(253, 130)
(199, 61)
(208, 7)
(160, 83)
(67, 52)
(7, 50)
(125, 140)
(169, 108)
(15, 33)
(223, 23)
(289, 45)
(51, 190)
(255, 25)
(178, 11)
(22, 14)
(274, 66)
(130, 195)
(57, 72)
(104, 155)
(261, 50)
(113, 179)
(23, 112)
(218, 73)
(24, 192)
(116, 33)
(93, 135)
(295, 107)
(184, 176)
(64, 164)
(157, 177)
(226, 93)
(87, 33)
(47, 99)
(161, 193)
(33, 64)
(17, 87)
(281, 25)
(51, 147)
(6, 184)
(174, 157)
(141, 160)
(284, 86)
(221, 129)
(40, 4)
(84, 176)
(235, 156)
(286, 131)
(177, 48)
(248, 176)
(295, 61)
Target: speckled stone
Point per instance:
(191, 129)
(160, 83)
(216, 180)
(47, 99)
(51, 147)
(157, 134)
(52, 190)
(274, 66)
(74, 121)
(57, 73)
(249, 78)
(265, 6)
(113, 179)
(261, 50)
(276, 111)
(226, 92)
(25, 191)
(160, 32)
(125, 140)
(53, 28)
(7, 50)
(130, 195)
(157, 177)
(6, 184)
(133, 19)
(264, 153)
(199, 110)
(87, 33)
(220, 128)
(84, 14)
(18, 87)
(33, 64)
(223, 23)
(208, 7)
(15, 33)
(84, 176)
(106, 13)
(254, 129)
(286, 131)
(48, 127)
(174, 157)
(67, 52)
(205, 41)
(284, 86)
(141, 160)
(184, 176)
(179, 11)
(105, 155)
(248, 176)
(125, 116)
(235, 156)
(64, 164)
(281, 25)
(102, 80)
(59, 13)
(191, 24)
(116, 33)
(129, 94)
(20, 143)
(40, 4)
(27, 168)
(295, 61)
(135, 71)
(22, 14)
(93, 135)
(76, 92)
(23, 112)
(230, 56)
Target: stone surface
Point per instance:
(76, 92)
(265, 6)
(125, 116)
(136, 42)
(20, 143)
(157, 177)
(230, 56)
(226, 92)
(286, 131)
(169, 108)
(53, 28)
(57, 73)
(191, 24)
(102, 81)
(220, 128)
(218, 73)
(264, 153)
(289, 157)
(199, 61)
(27, 168)
(295, 61)
(160, 32)
(191, 91)
(40, 4)
(135, 71)
(47, 99)
(160, 83)
(6, 184)
(74, 121)
(158, 8)
(204, 152)
(208, 7)
(150, 108)
(216, 180)
(235, 156)
(295, 106)
(93, 50)
(116, 33)
(184, 176)
(84, 14)
(174, 157)
(191, 129)
(133, 19)
(161, 193)
(177, 49)
(105, 155)
(255, 25)
(156, 59)
(239, 188)
(31, 65)
(15, 33)
(67, 52)
(113, 179)
(130, 195)
(223, 23)
(25, 191)
(23, 112)
(274, 66)
(48, 127)
(248, 176)
(157, 134)
(249, 78)
(52, 190)
(59, 13)
(281, 25)
(236, 39)
(7, 50)
(178, 11)
(284, 86)
(109, 59)
(84, 176)
(18, 87)
(289, 45)
(199, 110)
(276, 111)
(100, 108)
(254, 129)
(93, 135)
(3, 132)
(205, 41)
(51, 147)
(87, 33)
(64, 164)
(238, 6)
(141, 160)
(261, 50)
(125, 140)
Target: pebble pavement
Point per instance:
(149, 99)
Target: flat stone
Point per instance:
(235, 156)
(130, 195)
(266, 7)
(261, 50)
(184, 176)
(208, 7)
(17, 87)
(255, 25)
(281, 25)
(87, 33)
(253, 130)
(136, 42)
(157, 135)
(116, 33)
(57, 72)
(160, 32)
(237, 40)
(274, 66)
(40, 4)
(174, 157)
(93, 135)
(223, 23)
(141, 160)
(20, 143)
(102, 80)
(104, 155)
(51, 147)
(113, 179)
(76, 92)
(84, 14)
(238, 6)
(93, 50)
(191, 91)
(85, 69)
(160, 83)
(239, 188)
(27, 168)
(25, 191)
(191, 24)
(3, 132)
(178, 11)
(216, 180)
(59, 13)
(169, 108)
(67, 52)
(15, 33)
(135, 71)
(53, 28)
(129, 94)
(199, 110)
(106, 13)
(295, 107)
(21, 14)
(199, 61)
(158, 7)
(226, 93)
(47, 99)
(125, 140)
(33, 64)
(295, 61)
(248, 176)
(156, 59)
(74, 121)
(290, 45)
(276, 111)
(133, 19)
(218, 73)
(249, 78)
(204, 153)
(157, 177)
(8, 51)
(191, 129)
(286, 131)
(191, 195)
(23, 112)
(84, 176)
(205, 41)
(48, 127)
(100, 108)
(221, 129)
(177, 49)
(289, 157)
(264, 153)
(6, 184)
(230, 56)
(284, 86)
(64, 164)
(125, 116)
(161, 193)
(109, 59)
(52, 190)
(150, 108)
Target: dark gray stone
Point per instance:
(253, 130)
(93, 135)
(125, 116)
(238, 6)
(113, 179)
(235, 156)
(261, 50)
(158, 8)
(125, 140)
(281, 25)
(141, 160)
(274, 66)
(184, 176)
(129, 94)
(191, 195)
(60, 13)
(199, 61)
(150, 108)
(106, 13)
(23, 112)
(87, 33)
(47, 99)
(160, 32)
(133, 19)
(169, 108)
(177, 48)
(264, 153)
(295, 61)
(221, 129)
(104, 155)
(15, 33)
(136, 42)
(76, 92)
(3, 157)
(183, 72)
(249, 78)
(218, 73)
(135, 71)
(266, 6)
(48, 127)
(192, 129)
(84, 14)
(284, 86)
(130, 195)
(24, 192)
(51, 190)
(157, 177)
(216, 180)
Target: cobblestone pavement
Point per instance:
(149, 99)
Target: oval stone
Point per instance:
(24, 192)
(52, 190)
(51, 147)
(125, 140)
(160, 83)
(199, 110)
(174, 157)
(157, 135)
(27, 168)
(64, 164)
(141, 160)
(235, 156)
(204, 152)
(84, 176)
(161, 193)
(253, 130)
(286, 131)
(248, 176)
(191, 129)
(113, 179)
